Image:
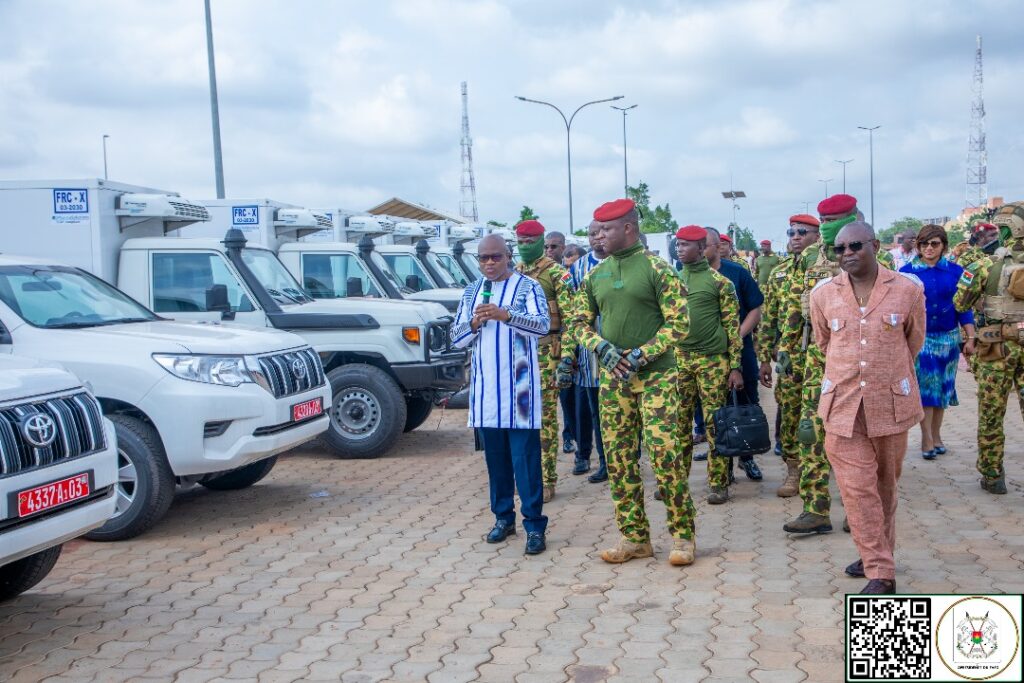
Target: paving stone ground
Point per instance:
(377, 571)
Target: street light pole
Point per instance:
(568, 128)
(218, 162)
(844, 163)
(625, 167)
(105, 136)
(871, 148)
(826, 181)
(807, 207)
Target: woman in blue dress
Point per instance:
(936, 364)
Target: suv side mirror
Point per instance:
(413, 282)
(354, 287)
(217, 300)
(5, 336)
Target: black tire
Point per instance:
(459, 400)
(367, 412)
(20, 575)
(240, 477)
(417, 410)
(145, 483)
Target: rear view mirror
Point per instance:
(413, 282)
(354, 287)
(217, 299)
(41, 286)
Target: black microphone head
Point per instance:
(487, 286)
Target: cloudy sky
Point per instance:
(349, 103)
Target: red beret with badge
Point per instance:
(609, 211)
(837, 205)
(805, 219)
(529, 228)
(691, 233)
(978, 227)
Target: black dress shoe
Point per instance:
(535, 543)
(752, 470)
(856, 570)
(701, 457)
(879, 587)
(501, 531)
(778, 448)
(599, 476)
(581, 466)
(568, 446)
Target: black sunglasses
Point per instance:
(799, 231)
(488, 258)
(852, 246)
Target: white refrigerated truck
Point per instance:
(191, 403)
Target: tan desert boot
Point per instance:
(684, 550)
(549, 493)
(627, 550)
(791, 486)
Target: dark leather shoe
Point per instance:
(700, 457)
(501, 531)
(581, 466)
(535, 543)
(879, 587)
(778, 449)
(752, 470)
(808, 523)
(568, 446)
(599, 476)
(699, 438)
(856, 570)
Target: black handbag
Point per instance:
(741, 429)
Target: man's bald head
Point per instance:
(856, 231)
(492, 241)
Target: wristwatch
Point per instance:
(638, 357)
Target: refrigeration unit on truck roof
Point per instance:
(84, 222)
(265, 222)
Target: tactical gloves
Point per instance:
(564, 372)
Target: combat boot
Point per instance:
(995, 485)
(627, 550)
(718, 495)
(809, 523)
(684, 550)
(791, 486)
(549, 493)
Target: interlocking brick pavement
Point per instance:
(377, 570)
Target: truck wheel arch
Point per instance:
(340, 358)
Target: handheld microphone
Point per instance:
(486, 295)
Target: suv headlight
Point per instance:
(224, 370)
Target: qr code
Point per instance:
(889, 638)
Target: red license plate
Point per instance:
(51, 495)
(307, 409)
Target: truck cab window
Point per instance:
(336, 276)
(409, 271)
(181, 280)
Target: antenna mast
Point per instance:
(977, 156)
(467, 207)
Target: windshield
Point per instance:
(442, 270)
(410, 272)
(274, 277)
(56, 297)
(335, 276)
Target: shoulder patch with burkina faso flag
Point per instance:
(967, 278)
(566, 276)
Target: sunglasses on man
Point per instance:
(854, 247)
(799, 231)
(489, 258)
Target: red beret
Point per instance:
(529, 229)
(805, 219)
(725, 238)
(978, 227)
(836, 205)
(609, 211)
(691, 233)
(766, 243)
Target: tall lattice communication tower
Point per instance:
(977, 157)
(467, 207)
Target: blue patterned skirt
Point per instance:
(936, 369)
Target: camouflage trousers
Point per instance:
(548, 356)
(645, 406)
(788, 389)
(995, 381)
(814, 467)
(707, 377)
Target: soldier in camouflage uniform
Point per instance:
(642, 306)
(557, 284)
(995, 287)
(780, 337)
(709, 359)
(836, 212)
(728, 252)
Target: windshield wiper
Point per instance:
(73, 325)
(291, 291)
(118, 321)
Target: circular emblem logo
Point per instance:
(39, 430)
(298, 368)
(977, 637)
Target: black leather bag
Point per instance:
(741, 430)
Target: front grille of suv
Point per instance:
(78, 423)
(280, 371)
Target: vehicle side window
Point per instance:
(409, 271)
(181, 280)
(449, 264)
(336, 276)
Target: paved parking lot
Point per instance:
(377, 570)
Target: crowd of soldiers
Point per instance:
(651, 344)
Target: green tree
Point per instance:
(899, 227)
(743, 239)
(658, 219)
(527, 214)
(497, 224)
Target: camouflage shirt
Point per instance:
(782, 322)
(556, 282)
(970, 290)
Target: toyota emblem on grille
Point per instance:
(298, 368)
(39, 430)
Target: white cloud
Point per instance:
(757, 128)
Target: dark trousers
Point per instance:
(513, 462)
(567, 397)
(588, 423)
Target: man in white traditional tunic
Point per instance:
(501, 317)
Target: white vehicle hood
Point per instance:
(165, 336)
(439, 294)
(23, 378)
(385, 311)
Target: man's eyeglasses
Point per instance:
(490, 258)
(854, 247)
(799, 231)
(934, 244)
